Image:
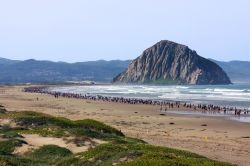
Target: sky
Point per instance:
(84, 30)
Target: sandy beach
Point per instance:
(214, 137)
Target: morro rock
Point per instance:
(168, 62)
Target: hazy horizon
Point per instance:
(79, 31)
(102, 60)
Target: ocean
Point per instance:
(235, 95)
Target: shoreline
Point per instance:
(163, 103)
(215, 138)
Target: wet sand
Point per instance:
(214, 137)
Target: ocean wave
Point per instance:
(182, 87)
(228, 90)
(229, 95)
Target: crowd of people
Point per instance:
(164, 104)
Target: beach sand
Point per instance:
(214, 137)
(35, 141)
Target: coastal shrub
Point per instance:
(2, 110)
(86, 127)
(7, 132)
(50, 152)
(10, 134)
(46, 155)
(99, 126)
(144, 154)
(72, 161)
(35, 121)
(7, 147)
(12, 160)
(119, 150)
(127, 140)
(101, 155)
(47, 131)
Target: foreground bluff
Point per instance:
(167, 62)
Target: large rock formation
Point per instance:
(167, 62)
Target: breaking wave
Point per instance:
(226, 95)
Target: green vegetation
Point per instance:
(34, 71)
(49, 154)
(2, 110)
(7, 147)
(137, 155)
(46, 125)
(119, 150)
(46, 155)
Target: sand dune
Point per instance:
(35, 141)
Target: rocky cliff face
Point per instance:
(167, 62)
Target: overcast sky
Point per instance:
(82, 30)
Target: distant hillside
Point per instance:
(167, 62)
(33, 71)
(238, 71)
(4, 61)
